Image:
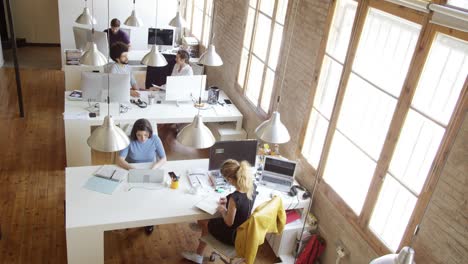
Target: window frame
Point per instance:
(206, 15)
(242, 90)
(426, 37)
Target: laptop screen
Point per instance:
(278, 166)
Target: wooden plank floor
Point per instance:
(32, 162)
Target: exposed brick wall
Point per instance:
(296, 102)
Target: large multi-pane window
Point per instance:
(260, 52)
(198, 14)
(383, 113)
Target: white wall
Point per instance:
(69, 10)
(36, 21)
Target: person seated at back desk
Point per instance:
(119, 54)
(115, 34)
(181, 68)
(144, 147)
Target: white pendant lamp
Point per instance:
(108, 137)
(210, 57)
(154, 58)
(86, 18)
(92, 56)
(405, 256)
(133, 20)
(273, 130)
(196, 135)
(178, 21)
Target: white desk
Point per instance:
(73, 72)
(89, 214)
(78, 124)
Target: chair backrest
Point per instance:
(269, 217)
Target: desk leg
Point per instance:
(85, 245)
(239, 124)
(76, 135)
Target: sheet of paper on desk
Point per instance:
(222, 110)
(101, 185)
(209, 204)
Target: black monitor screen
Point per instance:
(283, 167)
(160, 36)
(237, 149)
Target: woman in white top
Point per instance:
(119, 54)
(181, 67)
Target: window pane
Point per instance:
(349, 172)
(197, 23)
(314, 138)
(254, 80)
(385, 50)
(267, 90)
(248, 28)
(267, 6)
(188, 14)
(415, 150)
(392, 212)
(365, 115)
(459, 3)
(242, 68)
(281, 11)
(340, 30)
(262, 35)
(327, 87)
(253, 3)
(275, 46)
(200, 4)
(206, 31)
(442, 79)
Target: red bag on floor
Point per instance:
(312, 251)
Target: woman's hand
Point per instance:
(222, 201)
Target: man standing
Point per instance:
(116, 34)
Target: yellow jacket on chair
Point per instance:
(269, 217)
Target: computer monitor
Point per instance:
(163, 37)
(234, 149)
(84, 35)
(119, 88)
(92, 85)
(186, 88)
(81, 37)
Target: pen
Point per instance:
(113, 174)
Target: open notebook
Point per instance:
(209, 204)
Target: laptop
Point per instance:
(146, 176)
(278, 174)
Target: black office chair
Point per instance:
(158, 75)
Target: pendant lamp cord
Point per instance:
(285, 65)
(212, 22)
(92, 22)
(108, 56)
(156, 18)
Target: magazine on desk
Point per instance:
(75, 95)
(111, 172)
